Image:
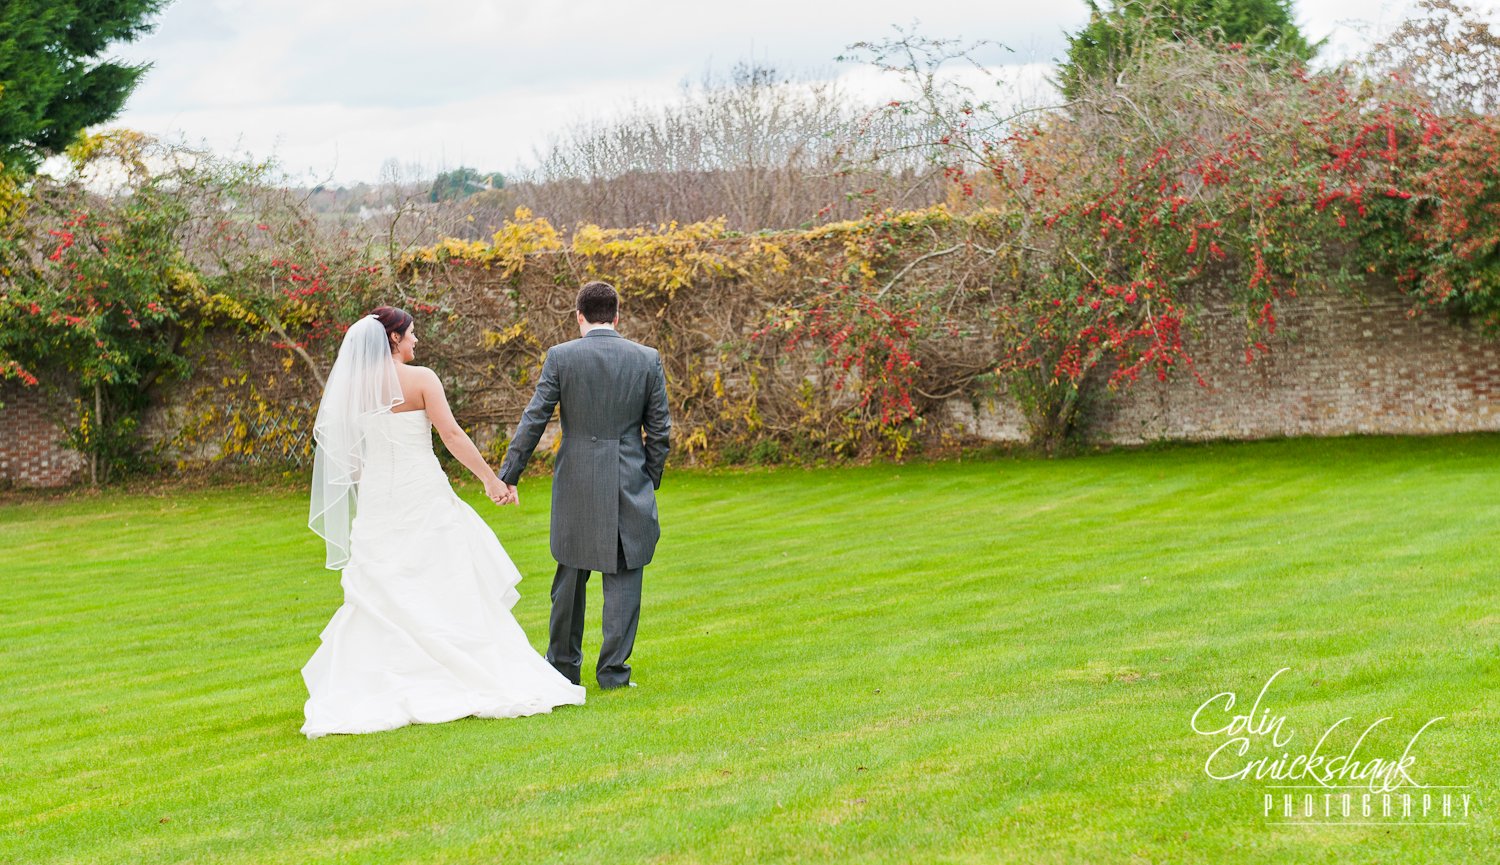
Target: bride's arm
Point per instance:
(454, 438)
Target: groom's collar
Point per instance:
(603, 331)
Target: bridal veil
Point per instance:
(361, 384)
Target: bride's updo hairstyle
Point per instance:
(395, 321)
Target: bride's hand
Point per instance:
(495, 489)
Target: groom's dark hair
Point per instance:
(599, 302)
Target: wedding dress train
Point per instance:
(425, 634)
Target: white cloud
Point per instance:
(317, 141)
(337, 87)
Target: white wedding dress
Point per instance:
(425, 633)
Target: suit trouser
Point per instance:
(622, 612)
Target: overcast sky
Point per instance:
(334, 88)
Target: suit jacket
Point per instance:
(611, 394)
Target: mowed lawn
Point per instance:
(980, 661)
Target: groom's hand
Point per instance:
(512, 495)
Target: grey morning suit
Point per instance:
(611, 396)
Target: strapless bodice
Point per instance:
(403, 429)
(398, 456)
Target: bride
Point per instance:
(425, 633)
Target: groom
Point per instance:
(612, 396)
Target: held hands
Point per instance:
(500, 492)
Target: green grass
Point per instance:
(990, 661)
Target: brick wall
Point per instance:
(29, 430)
(1338, 365)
